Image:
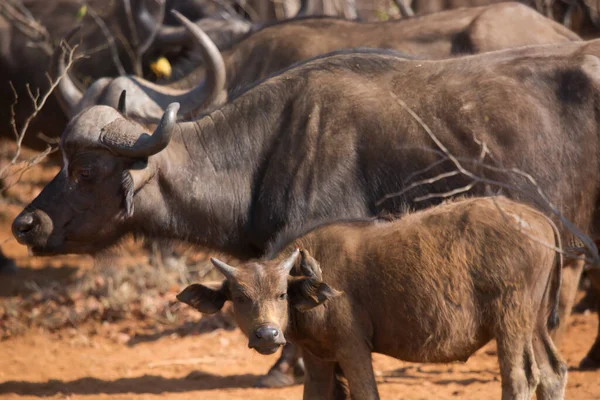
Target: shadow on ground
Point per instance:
(146, 384)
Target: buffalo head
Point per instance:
(262, 294)
(105, 162)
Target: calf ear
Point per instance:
(207, 298)
(591, 67)
(309, 266)
(307, 293)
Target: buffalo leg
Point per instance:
(592, 359)
(319, 380)
(571, 274)
(286, 371)
(553, 370)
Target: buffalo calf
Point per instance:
(433, 286)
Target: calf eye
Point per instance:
(241, 299)
(283, 296)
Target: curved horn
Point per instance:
(225, 269)
(123, 103)
(68, 94)
(144, 145)
(214, 83)
(287, 264)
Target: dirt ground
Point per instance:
(218, 365)
(132, 356)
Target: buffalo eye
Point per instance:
(283, 296)
(85, 173)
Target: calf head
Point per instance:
(262, 295)
(86, 207)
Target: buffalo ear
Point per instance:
(307, 293)
(133, 179)
(140, 173)
(309, 266)
(591, 67)
(208, 298)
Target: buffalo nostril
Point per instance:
(266, 333)
(24, 223)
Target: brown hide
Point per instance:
(433, 286)
(449, 33)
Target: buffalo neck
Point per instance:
(201, 191)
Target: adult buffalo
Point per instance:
(325, 139)
(272, 48)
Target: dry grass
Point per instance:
(106, 294)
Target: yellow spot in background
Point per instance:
(81, 12)
(161, 68)
(382, 14)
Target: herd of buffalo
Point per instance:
(408, 187)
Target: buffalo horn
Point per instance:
(145, 145)
(225, 269)
(214, 84)
(123, 103)
(288, 263)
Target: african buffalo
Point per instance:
(25, 52)
(280, 45)
(433, 286)
(325, 139)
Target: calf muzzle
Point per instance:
(266, 339)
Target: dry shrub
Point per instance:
(107, 294)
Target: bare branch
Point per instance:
(38, 103)
(114, 52)
(533, 192)
(18, 15)
(405, 10)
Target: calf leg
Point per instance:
(553, 370)
(319, 379)
(355, 361)
(520, 375)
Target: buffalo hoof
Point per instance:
(589, 363)
(277, 378)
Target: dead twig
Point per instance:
(405, 10)
(18, 15)
(532, 191)
(110, 39)
(38, 102)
